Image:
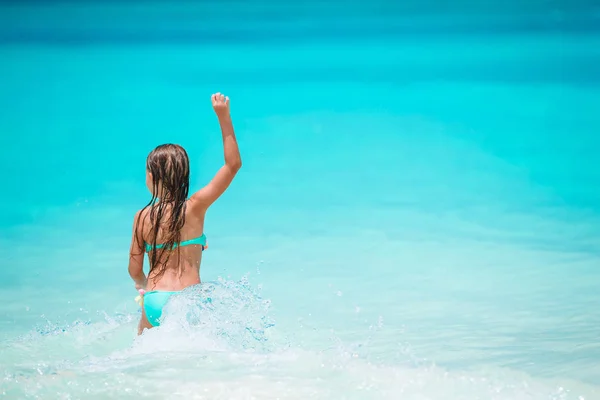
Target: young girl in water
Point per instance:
(170, 228)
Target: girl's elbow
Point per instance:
(133, 271)
(236, 165)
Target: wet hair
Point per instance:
(170, 168)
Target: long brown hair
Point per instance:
(170, 168)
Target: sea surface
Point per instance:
(417, 216)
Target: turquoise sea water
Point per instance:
(416, 218)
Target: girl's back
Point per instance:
(181, 266)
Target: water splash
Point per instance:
(219, 341)
(231, 314)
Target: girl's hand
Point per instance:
(140, 298)
(220, 104)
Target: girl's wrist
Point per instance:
(141, 283)
(224, 118)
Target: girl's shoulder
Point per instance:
(142, 219)
(141, 215)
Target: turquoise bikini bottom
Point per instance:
(154, 302)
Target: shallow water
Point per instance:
(416, 217)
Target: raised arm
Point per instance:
(204, 197)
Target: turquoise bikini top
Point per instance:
(201, 240)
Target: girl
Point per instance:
(170, 228)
